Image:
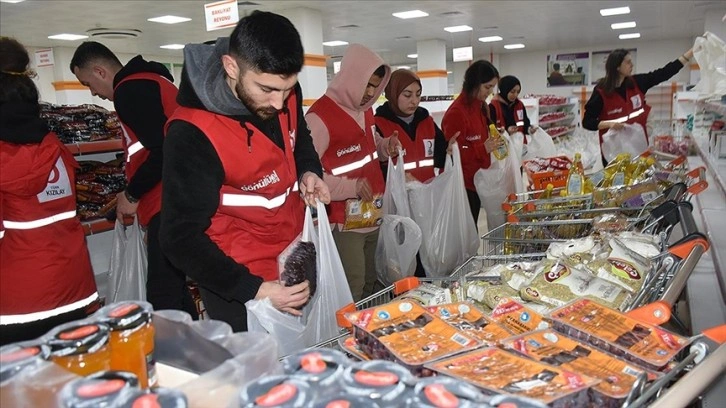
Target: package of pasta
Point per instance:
(624, 265)
(404, 332)
(517, 318)
(472, 321)
(489, 293)
(616, 333)
(428, 294)
(363, 214)
(560, 282)
(498, 371)
(617, 377)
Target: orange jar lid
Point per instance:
(125, 315)
(14, 358)
(78, 337)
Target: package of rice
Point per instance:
(489, 293)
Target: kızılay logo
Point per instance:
(624, 269)
(556, 272)
(531, 292)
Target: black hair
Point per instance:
(380, 72)
(478, 73)
(16, 84)
(506, 84)
(91, 51)
(610, 82)
(556, 66)
(267, 43)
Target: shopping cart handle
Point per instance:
(701, 184)
(668, 211)
(716, 334)
(691, 237)
(655, 313)
(675, 192)
(405, 284)
(340, 316)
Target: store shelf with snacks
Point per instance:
(560, 131)
(557, 107)
(547, 123)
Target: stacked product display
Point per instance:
(82, 123)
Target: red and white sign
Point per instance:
(44, 58)
(221, 14)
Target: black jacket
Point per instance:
(138, 105)
(192, 178)
(419, 116)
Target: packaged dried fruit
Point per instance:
(384, 382)
(609, 330)
(437, 392)
(550, 347)
(276, 391)
(363, 214)
(322, 366)
(405, 332)
(517, 318)
(469, 319)
(297, 263)
(498, 371)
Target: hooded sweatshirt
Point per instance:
(139, 106)
(193, 176)
(346, 90)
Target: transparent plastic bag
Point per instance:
(502, 178)
(128, 266)
(710, 53)
(441, 209)
(395, 199)
(318, 321)
(399, 239)
(630, 139)
(539, 144)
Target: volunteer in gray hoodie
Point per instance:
(239, 166)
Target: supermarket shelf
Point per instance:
(563, 133)
(101, 146)
(563, 119)
(550, 108)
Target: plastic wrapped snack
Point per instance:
(488, 293)
(609, 330)
(405, 332)
(560, 282)
(472, 321)
(624, 265)
(437, 392)
(548, 346)
(363, 214)
(297, 263)
(383, 382)
(517, 318)
(498, 371)
(276, 391)
(610, 222)
(322, 366)
(428, 294)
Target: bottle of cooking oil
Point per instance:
(501, 152)
(638, 173)
(576, 177)
(547, 193)
(619, 177)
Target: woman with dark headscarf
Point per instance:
(507, 110)
(619, 98)
(425, 145)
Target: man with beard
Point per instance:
(239, 165)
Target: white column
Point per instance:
(431, 63)
(313, 78)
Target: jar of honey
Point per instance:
(132, 339)
(104, 389)
(16, 357)
(81, 347)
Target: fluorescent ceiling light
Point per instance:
(615, 11)
(412, 55)
(334, 43)
(491, 39)
(620, 26)
(403, 67)
(458, 29)
(514, 46)
(11, 1)
(629, 36)
(169, 19)
(410, 14)
(67, 37)
(172, 46)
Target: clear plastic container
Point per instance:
(81, 347)
(131, 339)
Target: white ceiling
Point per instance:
(539, 25)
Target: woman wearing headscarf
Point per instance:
(425, 145)
(507, 110)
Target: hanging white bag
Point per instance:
(395, 198)
(441, 209)
(710, 54)
(318, 321)
(630, 139)
(128, 266)
(399, 239)
(539, 144)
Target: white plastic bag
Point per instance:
(395, 198)
(318, 321)
(399, 239)
(441, 209)
(129, 265)
(630, 139)
(710, 53)
(539, 144)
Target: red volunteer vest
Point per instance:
(518, 109)
(351, 153)
(419, 157)
(632, 109)
(471, 141)
(136, 154)
(44, 264)
(260, 210)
